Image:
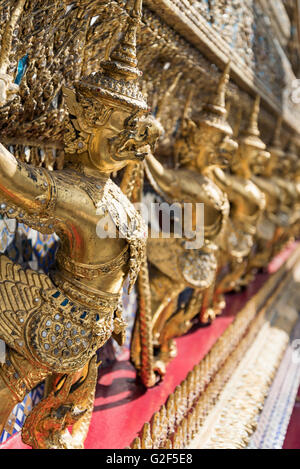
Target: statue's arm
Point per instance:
(166, 179)
(267, 186)
(223, 180)
(228, 184)
(188, 186)
(22, 185)
(247, 191)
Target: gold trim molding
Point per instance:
(228, 387)
(183, 18)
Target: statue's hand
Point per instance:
(8, 89)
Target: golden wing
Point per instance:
(20, 297)
(41, 323)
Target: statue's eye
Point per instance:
(131, 123)
(145, 132)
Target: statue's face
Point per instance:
(208, 140)
(293, 163)
(297, 169)
(227, 151)
(271, 165)
(125, 137)
(251, 155)
(284, 166)
(261, 161)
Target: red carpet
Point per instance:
(122, 405)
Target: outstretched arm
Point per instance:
(23, 185)
(177, 185)
(240, 189)
(164, 178)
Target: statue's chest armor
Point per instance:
(109, 201)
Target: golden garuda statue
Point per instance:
(175, 262)
(53, 325)
(277, 218)
(284, 170)
(291, 155)
(247, 203)
(213, 146)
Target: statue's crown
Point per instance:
(117, 83)
(251, 135)
(276, 147)
(214, 113)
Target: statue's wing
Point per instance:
(43, 325)
(20, 296)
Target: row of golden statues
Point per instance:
(251, 211)
(53, 325)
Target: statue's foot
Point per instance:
(166, 353)
(207, 316)
(172, 349)
(159, 368)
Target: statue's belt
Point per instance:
(91, 272)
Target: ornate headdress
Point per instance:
(251, 136)
(214, 113)
(117, 84)
(114, 86)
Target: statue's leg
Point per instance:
(7, 403)
(178, 324)
(85, 399)
(69, 403)
(164, 297)
(212, 304)
(160, 286)
(42, 429)
(17, 377)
